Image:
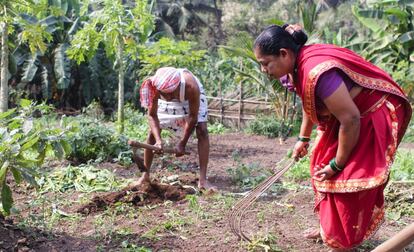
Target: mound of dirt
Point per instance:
(144, 194)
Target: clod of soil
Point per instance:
(144, 194)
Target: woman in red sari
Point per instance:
(361, 116)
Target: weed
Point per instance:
(129, 247)
(217, 129)
(300, 171)
(80, 178)
(265, 243)
(247, 175)
(403, 167)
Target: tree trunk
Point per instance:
(219, 25)
(121, 73)
(4, 90)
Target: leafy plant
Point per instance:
(120, 28)
(96, 141)
(264, 125)
(300, 171)
(247, 175)
(267, 242)
(392, 29)
(81, 179)
(217, 129)
(403, 166)
(24, 145)
(167, 52)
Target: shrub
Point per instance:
(264, 125)
(96, 141)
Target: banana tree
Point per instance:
(391, 24)
(35, 36)
(120, 28)
(52, 67)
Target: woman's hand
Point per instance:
(325, 173)
(180, 149)
(300, 150)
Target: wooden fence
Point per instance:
(236, 112)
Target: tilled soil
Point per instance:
(140, 195)
(159, 217)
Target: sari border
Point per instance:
(360, 79)
(356, 185)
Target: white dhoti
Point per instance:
(174, 114)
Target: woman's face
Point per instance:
(275, 66)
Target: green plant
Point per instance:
(264, 125)
(80, 178)
(167, 52)
(130, 247)
(392, 30)
(300, 171)
(24, 145)
(97, 141)
(247, 175)
(267, 242)
(120, 28)
(217, 129)
(403, 166)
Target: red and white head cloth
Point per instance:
(166, 80)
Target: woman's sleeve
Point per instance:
(328, 82)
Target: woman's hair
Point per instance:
(275, 37)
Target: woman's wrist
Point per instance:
(334, 166)
(305, 139)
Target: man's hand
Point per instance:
(323, 174)
(300, 150)
(160, 147)
(180, 149)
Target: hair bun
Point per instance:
(299, 36)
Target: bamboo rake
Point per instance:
(238, 210)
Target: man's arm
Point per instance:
(193, 95)
(154, 122)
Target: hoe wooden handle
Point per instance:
(137, 144)
(399, 241)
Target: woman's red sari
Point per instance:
(351, 204)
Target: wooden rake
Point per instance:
(238, 211)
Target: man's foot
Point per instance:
(207, 187)
(144, 179)
(312, 233)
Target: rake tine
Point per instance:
(238, 211)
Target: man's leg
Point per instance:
(203, 154)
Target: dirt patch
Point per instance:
(197, 224)
(146, 193)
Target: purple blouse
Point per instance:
(328, 82)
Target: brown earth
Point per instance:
(196, 223)
(140, 195)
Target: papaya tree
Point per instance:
(119, 28)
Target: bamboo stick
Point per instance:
(236, 100)
(399, 241)
(137, 144)
(221, 104)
